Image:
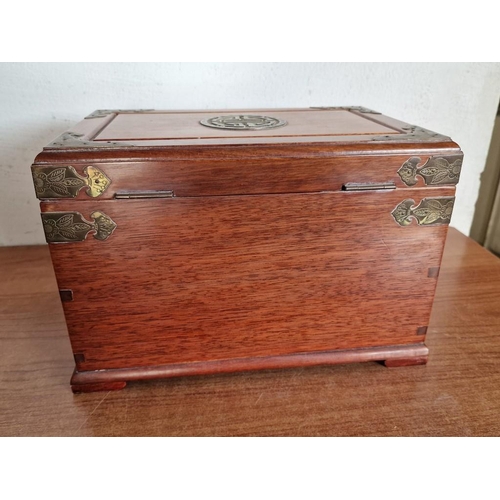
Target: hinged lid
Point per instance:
(125, 129)
(200, 153)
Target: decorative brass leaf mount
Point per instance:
(65, 182)
(69, 227)
(429, 212)
(435, 171)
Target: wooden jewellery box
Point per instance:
(198, 242)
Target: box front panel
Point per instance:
(220, 277)
(84, 180)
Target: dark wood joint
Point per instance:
(66, 295)
(79, 357)
(433, 272)
(421, 330)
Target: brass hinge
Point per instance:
(131, 195)
(367, 186)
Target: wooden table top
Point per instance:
(456, 394)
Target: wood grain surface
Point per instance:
(252, 176)
(173, 134)
(456, 393)
(259, 251)
(302, 273)
(153, 126)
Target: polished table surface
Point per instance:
(456, 394)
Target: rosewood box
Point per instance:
(198, 242)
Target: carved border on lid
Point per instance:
(412, 132)
(415, 134)
(74, 140)
(359, 109)
(101, 113)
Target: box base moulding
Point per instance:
(116, 379)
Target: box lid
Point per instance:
(194, 153)
(126, 129)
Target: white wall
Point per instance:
(40, 101)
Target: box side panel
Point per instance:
(213, 278)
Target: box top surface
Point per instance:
(198, 127)
(326, 128)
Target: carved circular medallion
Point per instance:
(243, 122)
